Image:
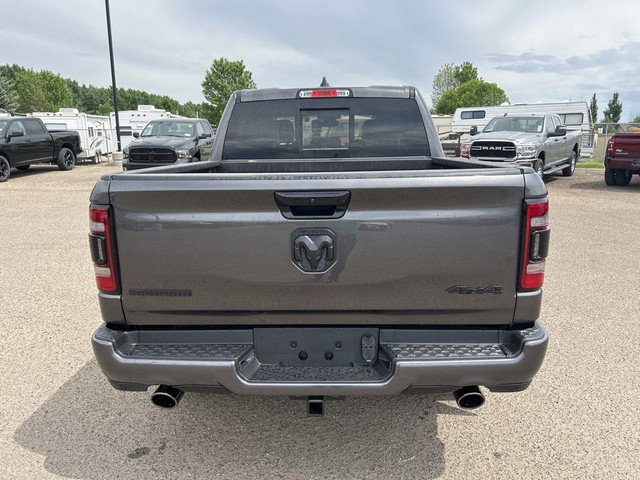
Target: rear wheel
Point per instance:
(609, 176)
(66, 159)
(568, 171)
(623, 177)
(5, 169)
(23, 167)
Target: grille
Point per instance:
(493, 149)
(152, 155)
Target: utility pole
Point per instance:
(113, 75)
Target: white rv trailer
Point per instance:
(132, 121)
(573, 114)
(97, 137)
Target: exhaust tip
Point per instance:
(166, 396)
(469, 398)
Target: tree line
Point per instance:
(27, 90)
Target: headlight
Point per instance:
(184, 153)
(526, 150)
(125, 153)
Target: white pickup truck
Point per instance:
(537, 140)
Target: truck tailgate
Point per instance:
(436, 247)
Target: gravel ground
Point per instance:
(60, 418)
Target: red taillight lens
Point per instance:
(465, 150)
(536, 244)
(101, 251)
(611, 146)
(324, 93)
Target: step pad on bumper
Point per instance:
(205, 351)
(408, 351)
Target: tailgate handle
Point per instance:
(301, 205)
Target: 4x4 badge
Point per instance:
(464, 290)
(313, 250)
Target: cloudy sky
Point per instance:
(536, 51)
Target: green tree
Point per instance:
(474, 93)
(8, 99)
(466, 72)
(444, 81)
(635, 119)
(614, 110)
(220, 81)
(42, 91)
(593, 109)
(450, 77)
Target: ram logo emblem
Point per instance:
(313, 250)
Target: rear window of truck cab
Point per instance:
(325, 128)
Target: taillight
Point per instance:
(536, 244)
(101, 250)
(611, 146)
(465, 150)
(324, 93)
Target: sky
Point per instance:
(535, 50)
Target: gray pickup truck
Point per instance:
(537, 140)
(327, 248)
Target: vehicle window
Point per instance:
(168, 129)
(56, 126)
(125, 131)
(207, 128)
(515, 124)
(34, 127)
(15, 127)
(345, 128)
(2, 124)
(200, 128)
(469, 114)
(572, 119)
(551, 124)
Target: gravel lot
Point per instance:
(61, 419)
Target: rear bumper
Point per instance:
(502, 360)
(632, 164)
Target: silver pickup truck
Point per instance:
(327, 248)
(537, 140)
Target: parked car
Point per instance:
(25, 141)
(327, 248)
(622, 160)
(169, 141)
(538, 140)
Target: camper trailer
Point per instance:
(96, 135)
(132, 121)
(574, 114)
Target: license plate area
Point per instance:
(313, 347)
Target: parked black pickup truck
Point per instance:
(168, 141)
(327, 248)
(24, 141)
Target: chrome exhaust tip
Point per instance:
(166, 396)
(469, 398)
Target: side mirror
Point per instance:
(204, 135)
(15, 134)
(473, 131)
(560, 131)
(136, 135)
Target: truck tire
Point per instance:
(66, 159)
(23, 167)
(609, 176)
(623, 177)
(539, 167)
(5, 169)
(568, 171)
